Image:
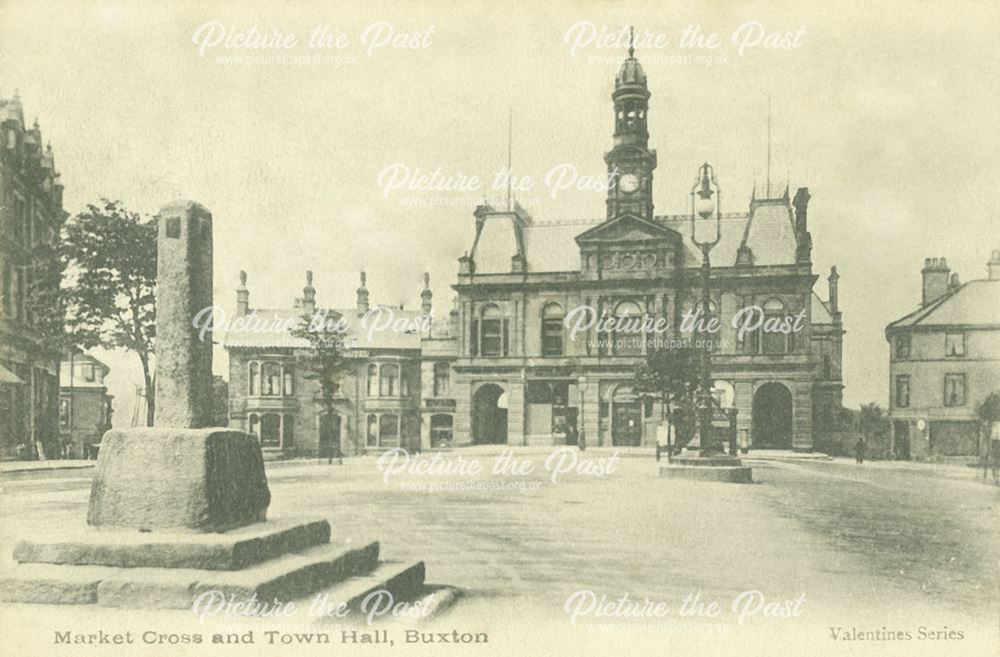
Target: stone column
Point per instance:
(184, 288)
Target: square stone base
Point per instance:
(205, 480)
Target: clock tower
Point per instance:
(630, 162)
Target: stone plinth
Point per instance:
(205, 480)
(124, 548)
(717, 467)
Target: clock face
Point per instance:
(629, 183)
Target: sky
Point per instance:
(887, 114)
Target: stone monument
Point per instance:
(180, 508)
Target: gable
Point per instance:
(626, 228)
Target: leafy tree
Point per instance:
(674, 376)
(110, 258)
(988, 410)
(872, 421)
(322, 359)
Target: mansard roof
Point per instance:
(976, 303)
(767, 230)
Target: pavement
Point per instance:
(884, 544)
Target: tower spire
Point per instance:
(631, 42)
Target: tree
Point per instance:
(110, 258)
(988, 410)
(322, 360)
(672, 375)
(873, 423)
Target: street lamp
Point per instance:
(705, 201)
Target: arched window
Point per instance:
(552, 330)
(287, 431)
(389, 381)
(773, 342)
(492, 336)
(270, 430)
(372, 435)
(388, 430)
(270, 374)
(254, 379)
(628, 335)
(253, 425)
(289, 377)
(442, 379)
(372, 380)
(441, 430)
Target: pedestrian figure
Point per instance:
(662, 439)
(859, 451)
(581, 440)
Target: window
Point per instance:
(388, 431)
(954, 345)
(441, 430)
(773, 342)
(287, 431)
(389, 381)
(903, 346)
(253, 425)
(954, 390)
(87, 372)
(270, 430)
(491, 332)
(902, 391)
(372, 380)
(289, 381)
(627, 339)
(552, 330)
(64, 413)
(270, 374)
(254, 379)
(442, 379)
(372, 439)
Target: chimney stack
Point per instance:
(362, 296)
(832, 281)
(426, 296)
(994, 266)
(936, 277)
(309, 296)
(242, 295)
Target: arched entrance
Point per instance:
(489, 416)
(772, 417)
(626, 417)
(329, 436)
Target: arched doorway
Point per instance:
(489, 416)
(329, 436)
(772, 417)
(626, 417)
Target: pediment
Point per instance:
(627, 228)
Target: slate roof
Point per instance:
(769, 232)
(270, 329)
(976, 303)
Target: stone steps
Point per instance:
(232, 550)
(287, 577)
(404, 581)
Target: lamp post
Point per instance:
(703, 206)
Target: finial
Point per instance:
(631, 42)
(363, 279)
(243, 278)
(309, 278)
(427, 279)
